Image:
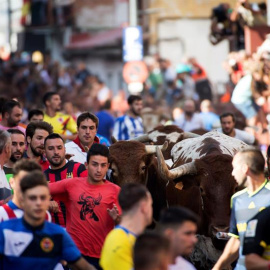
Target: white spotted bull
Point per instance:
(201, 179)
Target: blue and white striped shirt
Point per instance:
(127, 127)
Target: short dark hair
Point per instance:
(9, 105)
(107, 105)
(34, 112)
(147, 249)
(48, 96)
(32, 180)
(226, 114)
(87, 115)
(33, 126)
(175, 216)
(53, 136)
(97, 150)
(133, 98)
(15, 131)
(254, 159)
(26, 165)
(130, 195)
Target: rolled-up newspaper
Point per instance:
(222, 236)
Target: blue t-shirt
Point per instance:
(25, 247)
(106, 124)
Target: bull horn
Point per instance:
(166, 174)
(143, 138)
(151, 149)
(189, 135)
(113, 140)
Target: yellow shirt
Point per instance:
(117, 250)
(61, 123)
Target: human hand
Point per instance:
(54, 207)
(114, 213)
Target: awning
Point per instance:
(87, 41)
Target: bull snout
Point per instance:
(215, 230)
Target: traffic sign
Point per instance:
(132, 44)
(135, 71)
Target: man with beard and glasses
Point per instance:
(227, 121)
(17, 150)
(60, 169)
(189, 119)
(63, 124)
(36, 132)
(11, 116)
(248, 170)
(130, 126)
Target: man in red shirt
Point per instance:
(91, 204)
(36, 132)
(60, 169)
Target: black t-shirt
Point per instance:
(257, 236)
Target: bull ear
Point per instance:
(113, 140)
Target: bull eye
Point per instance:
(143, 168)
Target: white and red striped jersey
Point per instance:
(11, 210)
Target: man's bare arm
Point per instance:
(229, 255)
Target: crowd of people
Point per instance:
(228, 22)
(54, 173)
(54, 165)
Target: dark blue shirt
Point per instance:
(106, 124)
(25, 247)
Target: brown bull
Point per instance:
(201, 179)
(132, 161)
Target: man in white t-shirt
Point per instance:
(179, 225)
(189, 120)
(227, 121)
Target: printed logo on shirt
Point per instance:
(60, 119)
(69, 175)
(46, 244)
(251, 205)
(251, 228)
(16, 242)
(88, 204)
(241, 227)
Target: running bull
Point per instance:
(200, 178)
